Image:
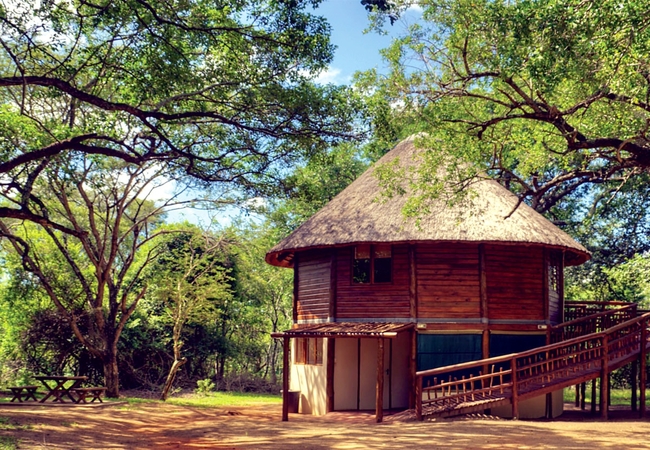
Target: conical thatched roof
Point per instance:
(355, 216)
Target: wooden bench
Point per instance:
(23, 393)
(94, 393)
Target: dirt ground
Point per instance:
(166, 427)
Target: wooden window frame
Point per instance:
(372, 267)
(309, 351)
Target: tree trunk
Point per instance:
(111, 375)
(170, 378)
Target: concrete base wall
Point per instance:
(311, 381)
(533, 408)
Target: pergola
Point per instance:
(347, 330)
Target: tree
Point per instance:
(216, 90)
(546, 96)
(94, 276)
(192, 280)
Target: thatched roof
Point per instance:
(357, 216)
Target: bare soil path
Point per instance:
(166, 427)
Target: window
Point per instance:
(372, 264)
(309, 351)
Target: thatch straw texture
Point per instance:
(357, 216)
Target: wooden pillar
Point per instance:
(515, 394)
(583, 395)
(413, 285)
(379, 400)
(560, 286)
(609, 389)
(604, 378)
(593, 395)
(413, 367)
(285, 379)
(642, 368)
(577, 387)
(485, 337)
(633, 383)
(546, 312)
(331, 343)
(296, 282)
(483, 285)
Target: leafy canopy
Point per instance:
(217, 90)
(545, 95)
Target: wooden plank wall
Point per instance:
(448, 281)
(515, 282)
(313, 285)
(372, 301)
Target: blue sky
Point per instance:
(356, 51)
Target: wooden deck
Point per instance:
(596, 345)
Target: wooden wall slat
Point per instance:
(315, 284)
(515, 287)
(448, 281)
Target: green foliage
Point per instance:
(203, 387)
(545, 96)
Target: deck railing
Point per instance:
(514, 377)
(598, 321)
(574, 309)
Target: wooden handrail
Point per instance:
(543, 363)
(600, 314)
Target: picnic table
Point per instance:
(56, 387)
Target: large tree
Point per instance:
(95, 277)
(218, 90)
(545, 95)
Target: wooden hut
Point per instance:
(377, 297)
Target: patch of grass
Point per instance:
(619, 397)
(8, 443)
(215, 399)
(7, 424)
(221, 399)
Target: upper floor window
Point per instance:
(372, 264)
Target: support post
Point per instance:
(604, 378)
(379, 400)
(285, 379)
(413, 285)
(331, 346)
(515, 395)
(633, 383)
(418, 398)
(642, 368)
(593, 396)
(577, 387)
(583, 395)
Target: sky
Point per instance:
(355, 51)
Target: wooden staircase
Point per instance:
(590, 346)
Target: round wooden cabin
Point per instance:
(464, 284)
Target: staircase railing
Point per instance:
(574, 309)
(593, 323)
(534, 372)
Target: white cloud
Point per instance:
(331, 75)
